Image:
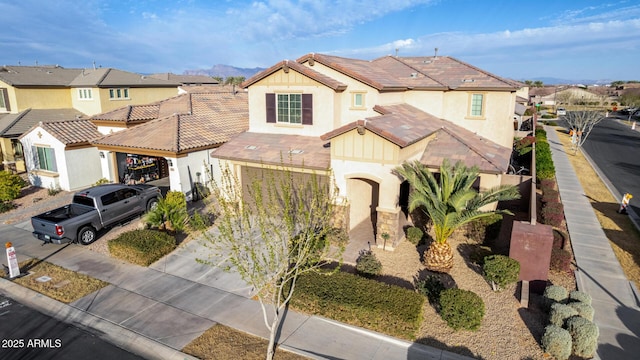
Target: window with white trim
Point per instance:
(357, 100)
(85, 94)
(3, 100)
(119, 93)
(44, 158)
(289, 108)
(477, 105)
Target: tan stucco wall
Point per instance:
(40, 99)
(89, 107)
(324, 100)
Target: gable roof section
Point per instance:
(51, 76)
(286, 66)
(213, 119)
(72, 132)
(186, 79)
(14, 125)
(275, 149)
(404, 125)
(108, 77)
(133, 114)
(456, 74)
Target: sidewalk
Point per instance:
(615, 298)
(156, 311)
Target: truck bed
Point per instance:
(65, 212)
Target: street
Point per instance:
(28, 334)
(615, 149)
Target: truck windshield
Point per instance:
(83, 200)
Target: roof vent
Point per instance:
(468, 80)
(406, 127)
(427, 62)
(296, 151)
(250, 147)
(414, 75)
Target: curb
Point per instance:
(104, 329)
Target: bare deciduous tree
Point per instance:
(272, 230)
(580, 123)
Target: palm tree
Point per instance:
(450, 202)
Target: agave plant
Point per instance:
(450, 202)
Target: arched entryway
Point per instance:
(363, 195)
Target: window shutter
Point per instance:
(307, 109)
(271, 108)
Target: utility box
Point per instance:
(531, 245)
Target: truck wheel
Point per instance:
(152, 204)
(86, 235)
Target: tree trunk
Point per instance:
(439, 257)
(273, 329)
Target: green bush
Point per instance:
(584, 334)
(102, 181)
(142, 247)
(361, 302)
(544, 162)
(580, 296)
(170, 213)
(10, 186)
(368, 265)
(6, 206)
(501, 270)
(431, 287)
(560, 260)
(584, 310)
(414, 235)
(560, 313)
(461, 309)
(554, 294)
(548, 116)
(556, 342)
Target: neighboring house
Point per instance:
(360, 119)
(88, 91)
(187, 80)
(571, 95)
(168, 139)
(12, 126)
(60, 156)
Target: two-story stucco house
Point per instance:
(360, 119)
(50, 89)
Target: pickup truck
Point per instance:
(93, 209)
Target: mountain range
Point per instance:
(225, 71)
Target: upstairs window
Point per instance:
(476, 109)
(357, 100)
(119, 94)
(4, 100)
(85, 94)
(290, 108)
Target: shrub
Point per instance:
(461, 309)
(584, 334)
(484, 229)
(414, 235)
(170, 213)
(10, 186)
(54, 190)
(559, 240)
(550, 196)
(501, 270)
(548, 184)
(560, 260)
(580, 296)
(556, 342)
(142, 247)
(361, 302)
(584, 310)
(431, 287)
(368, 265)
(553, 213)
(6, 206)
(560, 313)
(554, 294)
(102, 181)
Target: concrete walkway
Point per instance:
(156, 311)
(615, 298)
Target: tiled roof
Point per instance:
(454, 73)
(180, 104)
(186, 79)
(287, 65)
(404, 125)
(13, 125)
(212, 119)
(72, 131)
(275, 149)
(108, 77)
(37, 75)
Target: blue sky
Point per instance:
(516, 39)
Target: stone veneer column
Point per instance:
(388, 222)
